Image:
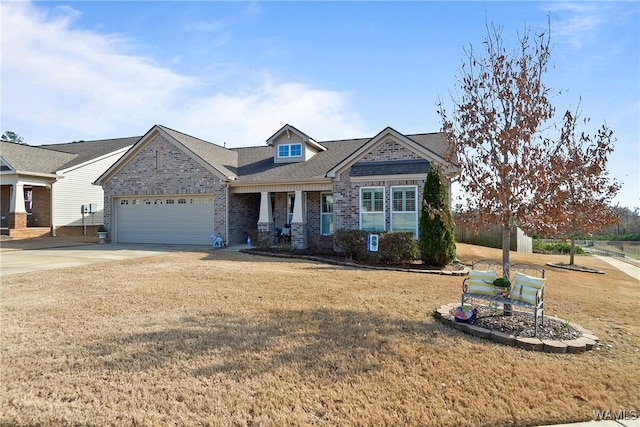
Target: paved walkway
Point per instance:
(630, 269)
(27, 260)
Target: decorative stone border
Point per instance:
(586, 341)
(574, 268)
(321, 259)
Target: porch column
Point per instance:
(265, 219)
(298, 226)
(17, 217)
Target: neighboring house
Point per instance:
(174, 188)
(43, 188)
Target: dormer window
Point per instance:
(286, 151)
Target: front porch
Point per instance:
(26, 209)
(291, 217)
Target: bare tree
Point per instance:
(500, 106)
(578, 195)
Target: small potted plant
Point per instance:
(502, 287)
(102, 234)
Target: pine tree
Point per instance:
(436, 239)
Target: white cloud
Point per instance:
(578, 23)
(251, 117)
(60, 84)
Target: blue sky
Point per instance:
(235, 72)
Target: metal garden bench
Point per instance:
(526, 292)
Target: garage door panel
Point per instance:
(156, 221)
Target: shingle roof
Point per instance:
(33, 159)
(244, 165)
(222, 159)
(397, 167)
(87, 150)
(256, 165)
(51, 158)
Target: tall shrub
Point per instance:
(437, 245)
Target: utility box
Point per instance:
(89, 208)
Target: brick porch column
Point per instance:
(17, 217)
(298, 226)
(265, 219)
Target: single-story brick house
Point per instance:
(42, 188)
(174, 188)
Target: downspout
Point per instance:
(226, 215)
(52, 209)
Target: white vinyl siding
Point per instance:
(372, 209)
(76, 189)
(187, 219)
(404, 209)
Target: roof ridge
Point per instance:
(190, 136)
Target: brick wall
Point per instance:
(41, 208)
(244, 210)
(389, 150)
(346, 194)
(171, 172)
(313, 213)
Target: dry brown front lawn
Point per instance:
(223, 338)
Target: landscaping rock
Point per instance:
(576, 346)
(502, 338)
(551, 346)
(533, 344)
(478, 331)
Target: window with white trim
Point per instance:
(404, 209)
(326, 214)
(372, 209)
(289, 150)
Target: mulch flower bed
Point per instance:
(521, 325)
(574, 267)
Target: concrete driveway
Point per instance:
(16, 261)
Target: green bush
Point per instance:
(436, 234)
(555, 248)
(321, 245)
(397, 247)
(351, 243)
(394, 246)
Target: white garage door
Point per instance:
(179, 220)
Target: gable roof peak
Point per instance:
(288, 130)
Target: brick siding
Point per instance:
(346, 194)
(41, 207)
(177, 174)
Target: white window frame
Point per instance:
(382, 212)
(323, 214)
(286, 154)
(415, 211)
